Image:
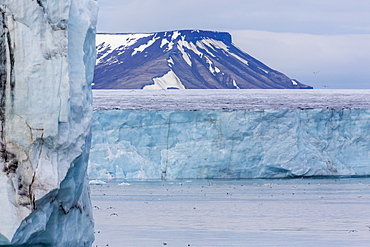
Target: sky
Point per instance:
(322, 43)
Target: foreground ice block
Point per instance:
(47, 54)
(223, 134)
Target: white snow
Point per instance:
(144, 46)
(175, 35)
(170, 46)
(168, 80)
(191, 46)
(239, 58)
(164, 42)
(170, 62)
(294, 82)
(116, 42)
(235, 84)
(211, 67)
(185, 55)
(211, 43)
(263, 70)
(202, 45)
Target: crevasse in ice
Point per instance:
(226, 143)
(47, 53)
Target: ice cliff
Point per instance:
(47, 53)
(223, 134)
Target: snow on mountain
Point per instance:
(47, 57)
(185, 59)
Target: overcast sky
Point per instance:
(323, 43)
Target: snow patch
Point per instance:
(211, 67)
(235, 84)
(240, 59)
(164, 42)
(175, 35)
(112, 42)
(168, 80)
(216, 44)
(144, 46)
(185, 55)
(202, 45)
(191, 46)
(294, 82)
(170, 62)
(263, 70)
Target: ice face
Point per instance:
(47, 59)
(290, 140)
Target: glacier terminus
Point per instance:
(231, 134)
(47, 53)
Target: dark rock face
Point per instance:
(181, 59)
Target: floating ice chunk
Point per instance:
(97, 182)
(124, 184)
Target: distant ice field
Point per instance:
(227, 99)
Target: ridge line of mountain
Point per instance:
(181, 59)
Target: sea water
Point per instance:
(253, 212)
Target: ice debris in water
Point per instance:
(97, 182)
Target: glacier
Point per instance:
(46, 69)
(191, 134)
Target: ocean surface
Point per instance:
(253, 212)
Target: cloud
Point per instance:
(305, 16)
(341, 61)
(298, 37)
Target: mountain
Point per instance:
(186, 59)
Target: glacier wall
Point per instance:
(47, 53)
(175, 144)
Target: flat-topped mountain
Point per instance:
(186, 59)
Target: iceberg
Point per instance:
(47, 53)
(190, 134)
